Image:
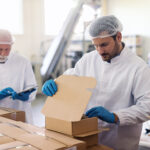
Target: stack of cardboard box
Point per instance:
(63, 112)
(19, 135)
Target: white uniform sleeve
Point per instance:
(139, 112)
(30, 80)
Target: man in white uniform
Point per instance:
(121, 99)
(16, 75)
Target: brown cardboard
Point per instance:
(74, 128)
(29, 147)
(5, 139)
(64, 110)
(11, 145)
(90, 140)
(92, 132)
(38, 137)
(32, 139)
(12, 114)
(99, 147)
(25, 148)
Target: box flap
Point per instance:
(2, 112)
(92, 132)
(28, 147)
(8, 110)
(4, 139)
(88, 133)
(71, 99)
(11, 145)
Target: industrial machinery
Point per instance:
(51, 67)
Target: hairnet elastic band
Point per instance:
(103, 36)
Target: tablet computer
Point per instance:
(28, 90)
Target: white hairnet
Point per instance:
(105, 26)
(6, 37)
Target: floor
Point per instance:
(39, 119)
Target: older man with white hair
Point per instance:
(16, 75)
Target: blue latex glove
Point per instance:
(101, 113)
(49, 88)
(24, 96)
(6, 92)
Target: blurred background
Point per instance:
(53, 35)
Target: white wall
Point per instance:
(135, 16)
(28, 44)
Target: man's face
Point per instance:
(5, 49)
(4, 52)
(107, 47)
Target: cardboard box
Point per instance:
(4, 139)
(99, 147)
(74, 128)
(90, 140)
(36, 138)
(64, 110)
(29, 147)
(15, 144)
(12, 114)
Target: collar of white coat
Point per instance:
(118, 58)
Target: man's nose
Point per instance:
(2, 53)
(100, 50)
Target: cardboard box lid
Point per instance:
(71, 99)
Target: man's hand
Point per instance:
(6, 92)
(49, 88)
(101, 113)
(24, 96)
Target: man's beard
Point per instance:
(107, 57)
(3, 59)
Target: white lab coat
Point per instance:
(123, 87)
(17, 73)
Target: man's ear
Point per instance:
(119, 36)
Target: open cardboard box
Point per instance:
(19, 134)
(64, 110)
(12, 114)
